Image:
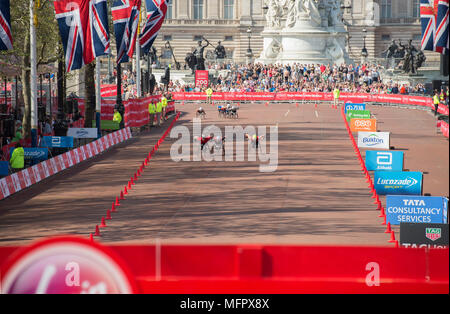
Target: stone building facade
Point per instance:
(376, 23)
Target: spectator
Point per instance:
(17, 160)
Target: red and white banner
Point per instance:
(294, 96)
(444, 128)
(27, 177)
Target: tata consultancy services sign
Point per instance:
(416, 209)
(376, 140)
(398, 183)
(384, 160)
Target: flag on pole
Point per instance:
(125, 15)
(156, 13)
(6, 41)
(434, 20)
(83, 25)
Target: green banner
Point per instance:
(107, 125)
(358, 114)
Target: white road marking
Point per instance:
(287, 113)
(317, 115)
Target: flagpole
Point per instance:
(98, 96)
(33, 76)
(138, 58)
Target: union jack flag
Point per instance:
(156, 13)
(434, 20)
(126, 19)
(6, 41)
(83, 25)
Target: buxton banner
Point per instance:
(384, 160)
(415, 209)
(375, 140)
(398, 183)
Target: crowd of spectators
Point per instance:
(365, 78)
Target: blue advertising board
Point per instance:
(416, 209)
(350, 106)
(384, 160)
(398, 182)
(4, 168)
(35, 154)
(57, 141)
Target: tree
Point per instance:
(46, 37)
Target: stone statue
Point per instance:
(274, 13)
(191, 61)
(273, 50)
(334, 50)
(408, 60)
(198, 53)
(420, 59)
(335, 18)
(297, 9)
(220, 51)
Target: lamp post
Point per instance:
(249, 54)
(364, 52)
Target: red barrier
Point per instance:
(444, 128)
(308, 96)
(29, 176)
(270, 269)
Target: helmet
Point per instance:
(201, 109)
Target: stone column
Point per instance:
(213, 9)
(184, 8)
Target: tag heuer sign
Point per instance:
(433, 233)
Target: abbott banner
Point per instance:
(363, 125)
(350, 106)
(398, 183)
(416, 209)
(378, 140)
(384, 160)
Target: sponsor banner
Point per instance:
(69, 158)
(37, 172)
(351, 106)
(424, 235)
(26, 177)
(82, 132)
(57, 141)
(398, 182)
(62, 162)
(415, 209)
(45, 168)
(35, 154)
(4, 168)
(444, 128)
(363, 125)
(375, 140)
(384, 160)
(358, 114)
(4, 189)
(16, 182)
(201, 78)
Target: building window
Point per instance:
(416, 8)
(386, 9)
(228, 9)
(385, 37)
(167, 37)
(198, 37)
(417, 37)
(228, 38)
(169, 10)
(198, 9)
